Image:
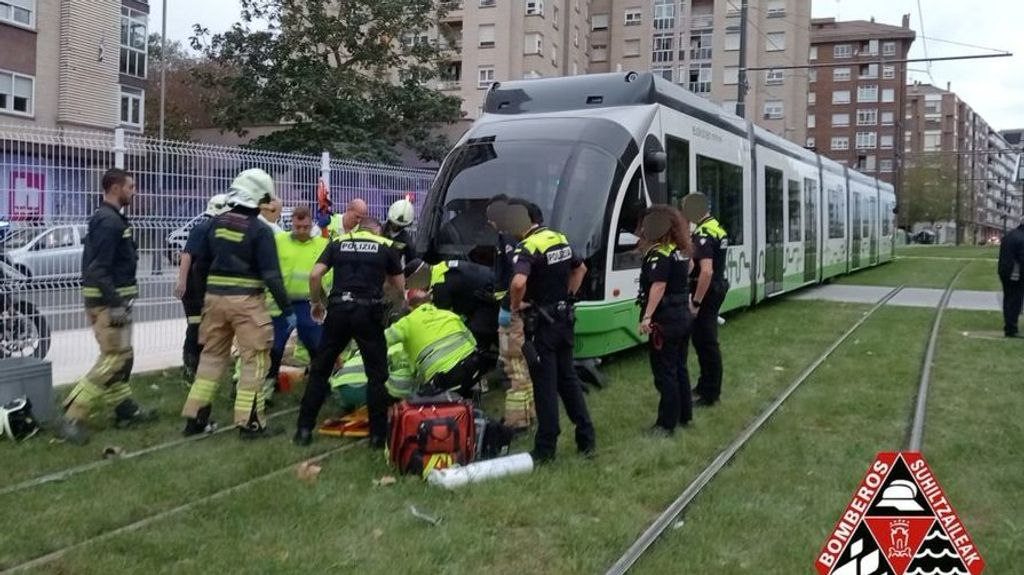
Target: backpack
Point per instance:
(431, 432)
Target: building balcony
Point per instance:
(702, 21)
(453, 10)
(449, 85)
(700, 53)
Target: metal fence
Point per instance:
(50, 184)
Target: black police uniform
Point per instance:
(401, 241)
(710, 241)
(467, 289)
(192, 300)
(669, 341)
(546, 258)
(361, 261)
(504, 267)
(1011, 274)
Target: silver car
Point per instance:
(50, 253)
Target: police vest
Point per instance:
(435, 340)
(552, 258)
(710, 230)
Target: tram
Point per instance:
(595, 151)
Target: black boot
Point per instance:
(128, 413)
(256, 431)
(200, 423)
(303, 437)
(72, 431)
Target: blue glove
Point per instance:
(292, 321)
(504, 317)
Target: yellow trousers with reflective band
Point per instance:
(519, 410)
(108, 378)
(244, 320)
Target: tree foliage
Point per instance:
(929, 189)
(185, 105)
(336, 73)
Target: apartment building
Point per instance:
(1016, 139)
(73, 63)
(943, 130)
(853, 99)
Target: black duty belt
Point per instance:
(350, 298)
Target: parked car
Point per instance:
(46, 253)
(176, 239)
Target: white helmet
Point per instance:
(401, 213)
(217, 205)
(252, 188)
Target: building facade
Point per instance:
(949, 139)
(854, 96)
(73, 63)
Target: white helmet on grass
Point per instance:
(401, 213)
(251, 188)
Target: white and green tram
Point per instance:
(594, 151)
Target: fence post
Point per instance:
(119, 148)
(325, 168)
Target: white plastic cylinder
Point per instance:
(453, 477)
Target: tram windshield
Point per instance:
(569, 180)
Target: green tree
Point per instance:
(929, 190)
(338, 75)
(184, 107)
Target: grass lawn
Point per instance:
(918, 273)
(970, 252)
(771, 510)
(980, 275)
(574, 516)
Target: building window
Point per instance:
(885, 166)
(886, 142)
(599, 22)
(888, 95)
(812, 75)
(700, 78)
(810, 143)
(20, 12)
(842, 51)
(887, 118)
(840, 120)
(488, 3)
(732, 41)
(869, 48)
(774, 77)
(634, 17)
(773, 110)
(631, 48)
(867, 140)
(813, 54)
(731, 75)
(776, 9)
(533, 43)
(554, 16)
(840, 74)
(484, 76)
(932, 141)
(664, 14)
(775, 41)
(133, 43)
(132, 108)
(812, 98)
(17, 94)
(889, 48)
(554, 55)
(867, 117)
(576, 37)
(599, 52)
(867, 93)
(811, 121)
(486, 35)
(534, 8)
(665, 73)
(662, 48)
(841, 97)
(840, 143)
(888, 72)
(868, 71)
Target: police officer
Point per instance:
(189, 287)
(361, 261)
(241, 257)
(665, 313)
(1011, 275)
(401, 215)
(547, 275)
(708, 287)
(109, 263)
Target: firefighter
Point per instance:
(362, 261)
(401, 215)
(109, 263)
(297, 254)
(665, 313)
(190, 290)
(348, 222)
(547, 275)
(241, 260)
(438, 344)
(708, 287)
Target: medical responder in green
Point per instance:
(440, 347)
(708, 287)
(349, 381)
(242, 260)
(348, 222)
(190, 290)
(401, 215)
(109, 286)
(665, 313)
(361, 261)
(547, 275)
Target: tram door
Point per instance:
(810, 230)
(856, 224)
(774, 251)
(873, 229)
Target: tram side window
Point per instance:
(678, 152)
(795, 215)
(627, 256)
(722, 183)
(836, 213)
(886, 218)
(810, 211)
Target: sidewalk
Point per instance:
(908, 297)
(73, 352)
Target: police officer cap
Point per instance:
(417, 274)
(655, 225)
(695, 205)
